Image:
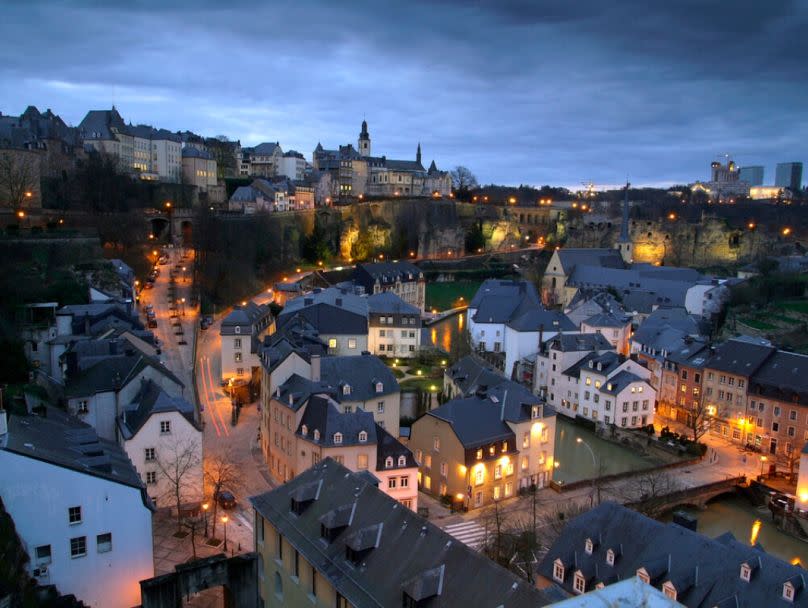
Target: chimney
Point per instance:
(315, 368)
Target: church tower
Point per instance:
(418, 154)
(624, 244)
(364, 140)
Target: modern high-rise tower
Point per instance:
(789, 175)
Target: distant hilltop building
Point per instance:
(789, 175)
(354, 172)
(725, 181)
(752, 175)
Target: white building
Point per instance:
(79, 507)
(707, 298)
(292, 165)
(394, 327)
(163, 439)
(606, 388)
(241, 332)
(157, 153)
(508, 317)
(98, 394)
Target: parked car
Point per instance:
(152, 322)
(226, 499)
(203, 324)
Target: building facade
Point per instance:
(241, 332)
(79, 507)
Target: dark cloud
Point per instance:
(529, 91)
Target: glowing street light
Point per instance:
(205, 507)
(224, 521)
(786, 231)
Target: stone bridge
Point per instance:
(697, 496)
(176, 223)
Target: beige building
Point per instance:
(486, 447)
(241, 332)
(306, 425)
(404, 279)
(106, 131)
(330, 538)
(198, 168)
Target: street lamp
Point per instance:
(763, 460)
(594, 466)
(224, 521)
(205, 507)
(183, 306)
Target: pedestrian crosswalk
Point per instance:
(468, 532)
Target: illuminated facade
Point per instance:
(482, 449)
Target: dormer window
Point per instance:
(589, 546)
(337, 438)
(304, 430)
(363, 436)
(379, 387)
(402, 461)
(346, 389)
(669, 590)
(642, 574)
(388, 462)
(610, 557)
(609, 386)
(746, 572)
(237, 329)
(492, 449)
(579, 582)
(534, 411)
(316, 435)
(788, 591)
(558, 571)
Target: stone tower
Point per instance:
(624, 244)
(364, 140)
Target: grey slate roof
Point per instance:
(618, 382)
(600, 258)
(251, 317)
(470, 374)
(152, 399)
(387, 445)
(67, 442)
(322, 415)
(102, 124)
(435, 562)
(387, 302)
(193, 152)
(504, 291)
(111, 374)
(607, 319)
(692, 353)
(579, 342)
(739, 357)
(673, 553)
(295, 392)
(386, 273)
(298, 336)
(361, 373)
(658, 289)
(784, 376)
(329, 311)
(547, 320)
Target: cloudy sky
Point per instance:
(520, 91)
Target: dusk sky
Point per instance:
(534, 91)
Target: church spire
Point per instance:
(418, 154)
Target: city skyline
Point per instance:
(580, 97)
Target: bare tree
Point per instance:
(19, 177)
(221, 473)
(180, 464)
(697, 420)
(193, 524)
(646, 492)
(463, 179)
(495, 528)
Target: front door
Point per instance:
(773, 446)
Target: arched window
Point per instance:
(402, 461)
(388, 462)
(305, 430)
(316, 435)
(363, 436)
(346, 389)
(238, 329)
(379, 387)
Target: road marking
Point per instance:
(215, 401)
(209, 407)
(469, 532)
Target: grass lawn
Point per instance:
(422, 383)
(800, 306)
(444, 296)
(762, 326)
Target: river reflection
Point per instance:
(737, 515)
(447, 331)
(575, 461)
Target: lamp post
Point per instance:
(594, 466)
(205, 507)
(224, 521)
(170, 223)
(763, 460)
(182, 301)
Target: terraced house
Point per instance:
(331, 538)
(485, 447)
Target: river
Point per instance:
(727, 514)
